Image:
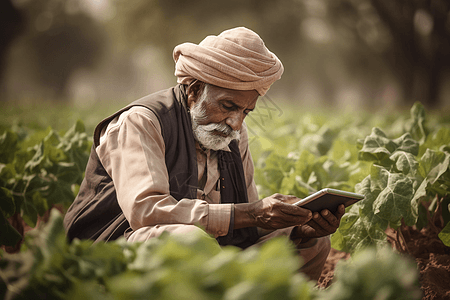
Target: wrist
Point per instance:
(242, 216)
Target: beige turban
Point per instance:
(235, 59)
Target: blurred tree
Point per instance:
(12, 24)
(327, 46)
(60, 37)
(167, 23)
(409, 39)
(421, 44)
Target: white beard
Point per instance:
(204, 134)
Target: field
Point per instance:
(397, 239)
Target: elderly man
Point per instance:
(180, 158)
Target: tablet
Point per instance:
(329, 199)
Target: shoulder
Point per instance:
(138, 117)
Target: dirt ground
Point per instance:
(431, 255)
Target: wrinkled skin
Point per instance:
(276, 212)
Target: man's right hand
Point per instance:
(273, 212)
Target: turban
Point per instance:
(235, 59)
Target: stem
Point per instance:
(394, 242)
(437, 220)
(430, 220)
(401, 240)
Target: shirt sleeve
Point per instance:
(132, 151)
(247, 163)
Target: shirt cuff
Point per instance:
(219, 217)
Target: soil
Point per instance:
(431, 255)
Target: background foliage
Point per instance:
(400, 159)
(349, 53)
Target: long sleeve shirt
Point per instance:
(132, 151)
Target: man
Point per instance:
(180, 158)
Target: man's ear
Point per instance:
(194, 91)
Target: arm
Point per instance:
(133, 153)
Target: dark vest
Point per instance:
(95, 213)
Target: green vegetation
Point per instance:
(37, 172)
(400, 163)
(188, 267)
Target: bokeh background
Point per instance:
(348, 54)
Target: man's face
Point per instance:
(217, 114)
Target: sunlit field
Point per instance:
(398, 161)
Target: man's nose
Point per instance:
(235, 120)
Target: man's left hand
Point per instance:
(321, 224)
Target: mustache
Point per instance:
(222, 128)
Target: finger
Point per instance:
(340, 212)
(294, 215)
(295, 210)
(312, 229)
(322, 222)
(330, 218)
(296, 219)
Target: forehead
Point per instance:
(245, 99)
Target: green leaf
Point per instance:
(394, 201)
(40, 203)
(361, 232)
(8, 146)
(29, 213)
(444, 235)
(445, 204)
(60, 192)
(273, 170)
(38, 159)
(7, 205)
(407, 144)
(416, 125)
(375, 274)
(419, 194)
(68, 172)
(436, 140)
(78, 127)
(10, 236)
(293, 185)
(422, 220)
(370, 190)
(343, 151)
(405, 162)
(377, 147)
(318, 143)
(433, 164)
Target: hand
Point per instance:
(271, 213)
(320, 225)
